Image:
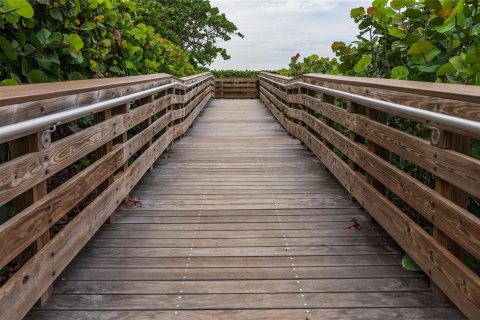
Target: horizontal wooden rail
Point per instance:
(357, 144)
(123, 143)
(236, 88)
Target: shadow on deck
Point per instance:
(240, 221)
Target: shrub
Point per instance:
(48, 40)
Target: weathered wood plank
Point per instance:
(263, 242)
(238, 234)
(449, 217)
(192, 260)
(424, 313)
(40, 271)
(440, 264)
(242, 286)
(21, 230)
(409, 235)
(87, 262)
(245, 301)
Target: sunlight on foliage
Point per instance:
(81, 39)
(436, 41)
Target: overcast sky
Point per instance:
(276, 30)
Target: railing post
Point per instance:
(353, 108)
(330, 100)
(461, 144)
(122, 139)
(182, 105)
(218, 88)
(19, 147)
(145, 124)
(383, 153)
(106, 148)
(170, 108)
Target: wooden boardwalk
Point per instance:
(239, 221)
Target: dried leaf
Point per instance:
(135, 200)
(355, 225)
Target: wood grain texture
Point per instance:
(108, 140)
(442, 266)
(458, 168)
(451, 99)
(425, 313)
(236, 88)
(238, 221)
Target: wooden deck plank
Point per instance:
(237, 234)
(323, 250)
(88, 262)
(239, 221)
(232, 226)
(242, 301)
(244, 213)
(244, 286)
(249, 242)
(257, 273)
(425, 313)
(236, 219)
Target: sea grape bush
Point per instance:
(51, 40)
(194, 25)
(311, 64)
(422, 40)
(235, 73)
(426, 40)
(429, 40)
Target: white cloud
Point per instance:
(275, 30)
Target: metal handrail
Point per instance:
(429, 117)
(17, 130)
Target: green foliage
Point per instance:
(235, 73)
(409, 264)
(193, 25)
(409, 40)
(311, 64)
(81, 39)
(423, 40)
(400, 72)
(6, 212)
(429, 40)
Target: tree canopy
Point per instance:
(195, 26)
(428, 40)
(52, 40)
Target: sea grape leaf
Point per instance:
(409, 264)
(21, 7)
(400, 72)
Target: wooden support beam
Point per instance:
(329, 122)
(461, 144)
(122, 139)
(19, 147)
(353, 107)
(380, 117)
(145, 124)
(123, 109)
(104, 150)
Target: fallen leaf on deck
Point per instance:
(354, 226)
(135, 200)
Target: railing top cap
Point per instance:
(34, 92)
(442, 90)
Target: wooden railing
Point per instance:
(362, 147)
(119, 146)
(236, 88)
